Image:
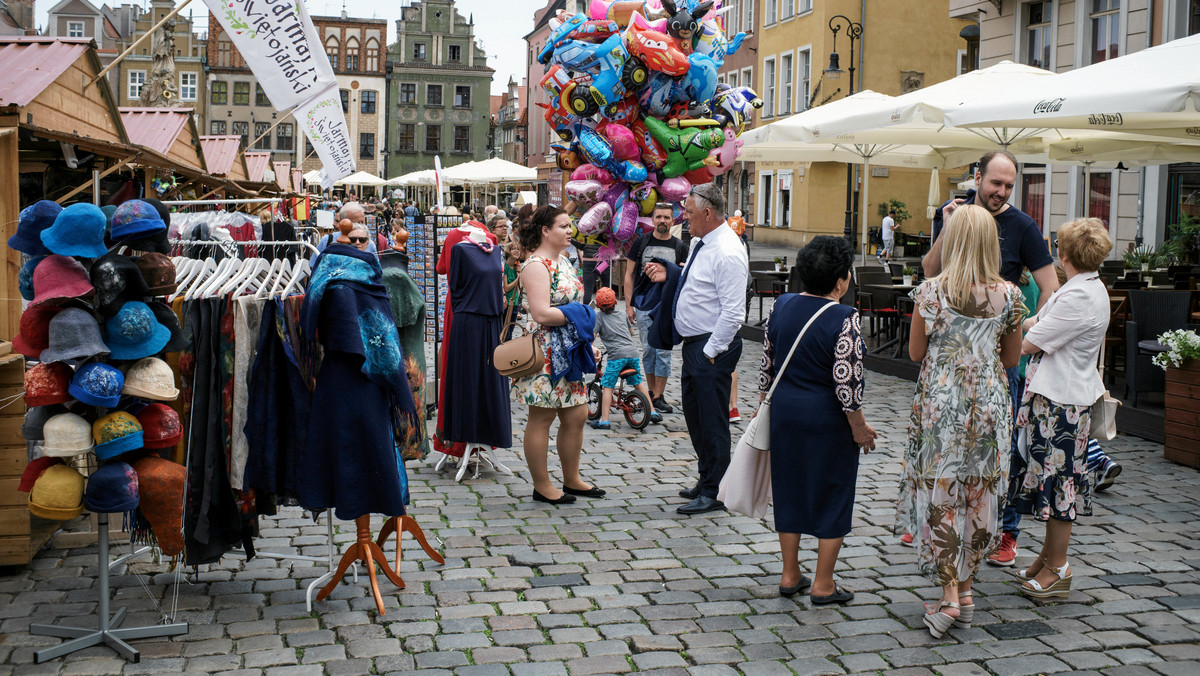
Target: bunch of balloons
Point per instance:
(635, 102)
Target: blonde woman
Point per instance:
(965, 332)
(1050, 480)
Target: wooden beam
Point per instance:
(104, 173)
(10, 212)
(170, 15)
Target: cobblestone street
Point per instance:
(625, 584)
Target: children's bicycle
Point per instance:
(634, 404)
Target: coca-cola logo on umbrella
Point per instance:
(1106, 120)
(1051, 106)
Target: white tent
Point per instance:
(361, 178)
(425, 177)
(1155, 89)
(494, 170)
(313, 176)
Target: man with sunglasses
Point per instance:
(354, 213)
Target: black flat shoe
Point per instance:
(690, 493)
(565, 499)
(800, 586)
(593, 492)
(839, 595)
(702, 505)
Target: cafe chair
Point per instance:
(1151, 313)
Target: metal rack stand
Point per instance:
(109, 630)
(480, 455)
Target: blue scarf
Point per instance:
(570, 345)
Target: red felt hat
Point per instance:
(160, 426)
(47, 384)
(34, 470)
(35, 330)
(59, 278)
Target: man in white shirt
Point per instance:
(889, 237)
(709, 306)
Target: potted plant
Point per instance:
(1181, 423)
(778, 263)
(1141, 258)
(906, 275)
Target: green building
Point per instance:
(438, 90)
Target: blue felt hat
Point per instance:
(33, 220)
(116, 433)
(135, 219)
(25, 277)
(108, 210)
(134, 332)
(77, 231)
(111, 489)
(98, 385)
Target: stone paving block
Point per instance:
(348, 667)
(814, 666)
(555, 653)
(373, 647)
(494, 669)
(323, 653)
(962, 669)
(1025, 665)
(863, 662)
(540, 669)
(604, 664)
(912, 657)
(269, 658)
(446, 660)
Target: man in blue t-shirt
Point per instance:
(1021, 246)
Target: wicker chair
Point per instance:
(1151, 313)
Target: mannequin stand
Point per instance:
(480, 454)
(108, 631)
(369, 553)
(400, 524)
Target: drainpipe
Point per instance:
(1141, 203)
(860, 219)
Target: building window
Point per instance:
(433, 138)
(770, 12)
(787, 10)
(216, 127)
(1099, 201)
(308, 148)
(224, 47)
(748, 18)
(242, 129)
(732, 79)
(261, 129)
(137, 78)
(331, 51)
(372, 53)
(419, 51)
(368, 102)
(241, 93)
(1033, 194)
(766, 185)
(804, 6)
(804, 78)
(283, 136)
(455, 54)
(768, 109)
(408, 93)
(352, 54)
(408, 138)
(462, 139)
(366, 146)
(1038, 38)
(433, 95)
(785, 80)
(734, 17)
(462, 96)
(218, 92)
(260, 97)
(1106, 29)
(345, 100)
(74, 29)
(187, 86)
(1194, 18)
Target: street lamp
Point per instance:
(834, 72)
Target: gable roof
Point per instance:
(32, 63)
(257, 163)
(85, 8)
(155, 128)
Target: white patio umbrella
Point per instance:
(1155, 89)
(425, 178)
(361, 178)
(934, 200)
(313, 176)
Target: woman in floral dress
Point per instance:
(965, 332)
(548, 280)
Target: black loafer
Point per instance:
(690, 493)
(839, 595)
(800, 586)
(564, 499)
(702, 505)
(593, 492)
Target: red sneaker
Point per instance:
(734, 416)
(906, 540)
(1006, 555)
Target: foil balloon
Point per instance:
(622, 140)
(595, 220)
(654, 49)
(590, 172)
(653, 154)
(645, 225)
(726, 154)
(625, 218)
(585, 193)
(646, 196)
(675, 189)
(700, 83)
(699, 176)
(597, 150)
(687, 148)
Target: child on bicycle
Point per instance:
(623, 351)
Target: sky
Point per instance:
(499, 24)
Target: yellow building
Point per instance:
(903, 46)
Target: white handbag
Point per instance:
(758, 432)
(1104, 411)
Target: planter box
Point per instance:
(1181, 424)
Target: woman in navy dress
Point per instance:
(813, 472)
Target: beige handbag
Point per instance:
(1104, 411)
(522, 356)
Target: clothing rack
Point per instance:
(259, 200)
(247, 242)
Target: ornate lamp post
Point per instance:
(834, 72)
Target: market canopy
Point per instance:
(494, 170)
(361, 178)
(1154, 89)
(425, 177)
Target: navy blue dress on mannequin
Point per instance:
(476, 406)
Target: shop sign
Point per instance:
(281, 46)
(322, 121)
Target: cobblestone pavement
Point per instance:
(625, 584)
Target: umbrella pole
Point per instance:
(865, 202)
(1087, 189)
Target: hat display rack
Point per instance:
(86, 311)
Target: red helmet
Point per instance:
(605, 297)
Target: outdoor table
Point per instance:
(901, 292)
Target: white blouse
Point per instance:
(1070, 330)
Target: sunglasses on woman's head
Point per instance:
(358, 240)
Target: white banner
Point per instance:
(322, 121)
(280, 45)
